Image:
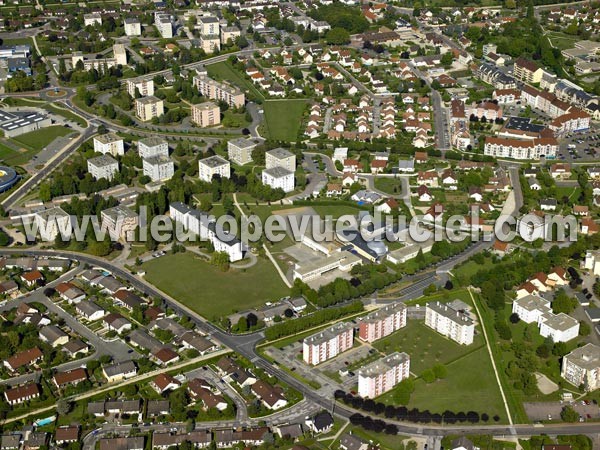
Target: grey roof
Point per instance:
(152, 141)
(102, 161)
(386, 311)
(88, 308)
(383, 365)
(119, 368)
(328, 333)
(108, 138)
(111, 284)
(243, 143)
(119, 211)
(586, 357)
(36, 439)
(450, 313)
(142, 339)
(52, 333)
(280, 153)
(10, 441)
(214, 161)
(157, 407)
(148, 100)
(278, 172)
(352, 442)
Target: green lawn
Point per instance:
(562, 41)
(66, 114)
(224, 71)
(210, 292)
(36, 140)
(425, 346)
(389, 185)
(469, 386)
(336, 211)
(283, 118)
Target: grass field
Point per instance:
(469, 386)
(283, 118)
(425, 346)
(389, 185)
(562, 41)
(37, 140)
(225, 71)
(209, 291)
(335, 211)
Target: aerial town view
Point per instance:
(300, 224)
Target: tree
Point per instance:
(337, 36)
(63, 407)
(428, 376)
(440, 371)
(584, 329)
(503, 329)
(220, 260)
(568, 414)
(242, 324)
(563, 303)
(514, 318)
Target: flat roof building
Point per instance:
(103, 167)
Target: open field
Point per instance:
(224, 71)
(561, 41)
(36, 140)
(389, 185)
(425, 346)
(210, 292)
(282, 118)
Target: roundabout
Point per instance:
(55, 93)
(8, 178)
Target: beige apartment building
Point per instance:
(206, 114)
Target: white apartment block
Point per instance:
(215, 90)
(581, 367)
(382, 322)
(133, 27)
(559, 327)
(121, 222)
(153, 146)
(208, 25)
(163, 25)
(383, 374)
(120, 54)
(280, 157)
(229, 34)
(147, 108)
(158, 168)
(92, 19)
(279, 178)
(103, 167)
(206, 114)
(109, 143)
(530, 308)
(213, 165)
(328, 343)
(520, 149)
(51, 222)
(592, 261)
(201, 224)
(210, 44)
(145, 87)
(240, 150)
(451, 323)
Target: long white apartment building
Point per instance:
(109, 143)
(145, 87)
(213, 165)
(153, 146)
(216, 90)
(383, 374)
(382, 323)
(133, 27)
(449, 322)
(206, 227)
(240, 150)
(530, 308)
(581, 367)
(328, 343)
(520, 148)
(163, 24)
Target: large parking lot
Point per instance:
(542, 411)
(584, 145)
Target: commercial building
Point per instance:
(240, 150)
(453, 324)
(147, 108)
(51, 222)
(121, 222)
(213, 165)
(328, 343)
(206, 114)
(207, 229)
(18, 123)
(383, 374)
(153, 146)
(581, 367)
(158, 168)
(145, 87)
(383, 322)
(103, 167)
(215, 90)
(109, 143)
(133, 27)
(279, 178)
(280, 157)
